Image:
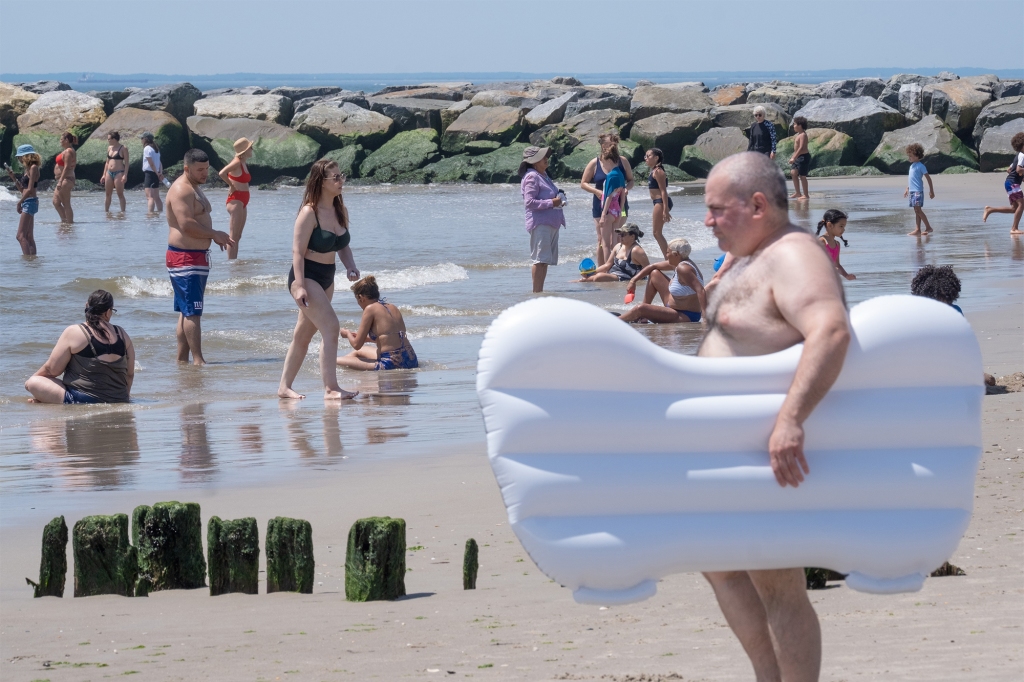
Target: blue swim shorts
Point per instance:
(916, 199)
(189, 270)
(400, 358)
(74, 397)
(30, 205)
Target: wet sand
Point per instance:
(518, 624)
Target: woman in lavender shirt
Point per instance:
(543, 203)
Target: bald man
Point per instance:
(775, 289)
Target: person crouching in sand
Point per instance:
(382, 325)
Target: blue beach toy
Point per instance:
(587, 267)
(719, 261)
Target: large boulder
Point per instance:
(356, 97)
(245, 90)
(14, 102)
(827, 148)
(43, 87)
(410, 114)
(273, 108)
(671, 98)
(890, 93)
(435, 92)
(348, 159)
(995, 150)
(551, 111)
(505, 98)
(63, 110)
(498, 123)
(997, 113)
(942, 148)
(499, 166)
(865, 119)
(727, 95)
(582, 130)
(670, 132)
(110, 98)
(336, 126)
(1008, 88)
(672, 174)
(617, 101)
(853, 87)
(911, 102)
(47, 145)
(277, 149)
(790, 97)
(450, 114)
(958, 102)
(178, 100)
(302, 93)
(571, 166)
(742, 116)
(170, 136)
(405, 152)
(717, 144)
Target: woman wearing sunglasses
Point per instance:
(761, 136)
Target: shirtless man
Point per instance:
(775, 289)
(188, 251)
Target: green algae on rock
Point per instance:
(53, 567)
(169, 539)
(470, 565)
(405, 152)
(348, 159)
(233, 552)
(827, 147)
(837, 171)
(290, 564)
(375, 559)
(105, 562)
(942, 148)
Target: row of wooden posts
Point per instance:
(166, 553)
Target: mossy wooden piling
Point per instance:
(233, 554)
(290, 564)
(105, 562)
(470, 565)
(169, 540)
(375, 559)
(53, 567)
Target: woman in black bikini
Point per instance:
(115, 170)
(96, 359)
(627, 258)
(657, 184)
(321, 235)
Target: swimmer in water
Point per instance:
(834, 224)
(382, 325)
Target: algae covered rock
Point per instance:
(375, 559)
(837, 171)
(62, 111)
(47, 145)
(290, 564)
(348, 159)
(470, 565)
(169, 539)
(233, 549)
(53, 567)
(338, 124)
(694, 162)
(670, 132)
(105, 562)
(672, 174)
(405, 152)
(277, 150)
(942, 148)
(498, 123)
(827, 148)
(862, 118)
(500, 165)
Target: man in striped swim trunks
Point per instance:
(188, 251)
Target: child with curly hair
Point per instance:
(938, 282)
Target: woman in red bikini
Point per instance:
(238, 198)
(64, 177)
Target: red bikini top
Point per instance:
(243, 178)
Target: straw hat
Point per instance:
(532, 155)
(242, 145)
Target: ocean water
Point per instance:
(451, 257)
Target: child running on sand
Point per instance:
(915, 188)
(834, 224)
(1013, 191)
(382, 325)
(800, 162)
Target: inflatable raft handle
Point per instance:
(863, 583)
(640, 592)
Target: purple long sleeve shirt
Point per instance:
(538, 192)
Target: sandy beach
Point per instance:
(518, 624)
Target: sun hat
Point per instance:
(25, 149)
(630, 228)
(532, 155)
(242, 145)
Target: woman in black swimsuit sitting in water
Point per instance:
(321, 234)
(97, 360)
(627, 258)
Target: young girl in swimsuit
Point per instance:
(834, 224)
(382, 325)
(28, 204)
(64, 176)
(238, 198)
(115, 170)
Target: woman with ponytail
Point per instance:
(834, 224)
(96, 359)
(64, 176)
(383, 326)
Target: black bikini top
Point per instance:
(117, 155)
(651, 182)
(323, 241)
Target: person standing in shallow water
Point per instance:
(115, 171)
(190, 233)
(543, 203)
(152, 172)
(64, 178)
(28, 204)
(320, 236)
(593, 182)
(776, 288)
(238, 197)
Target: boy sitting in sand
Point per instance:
(382, 325)
(915, 188)
(800, 162)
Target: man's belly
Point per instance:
(178, 239)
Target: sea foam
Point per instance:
(408, 278)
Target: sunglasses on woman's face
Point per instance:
(336, 176)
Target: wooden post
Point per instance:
(105, 562)
(53, 568)
(375, 559)
(470, 565)
(169, 540)
(290, 564)
(233, 550)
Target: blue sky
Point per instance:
(340, 36)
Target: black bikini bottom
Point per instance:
(318, 272)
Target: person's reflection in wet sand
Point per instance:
(250, 434)
(332, 430)
(1018, 248)
(294, 423)
(394, 387)
(196, 454)
(299, 437)
(382, 434)
(95, 451)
